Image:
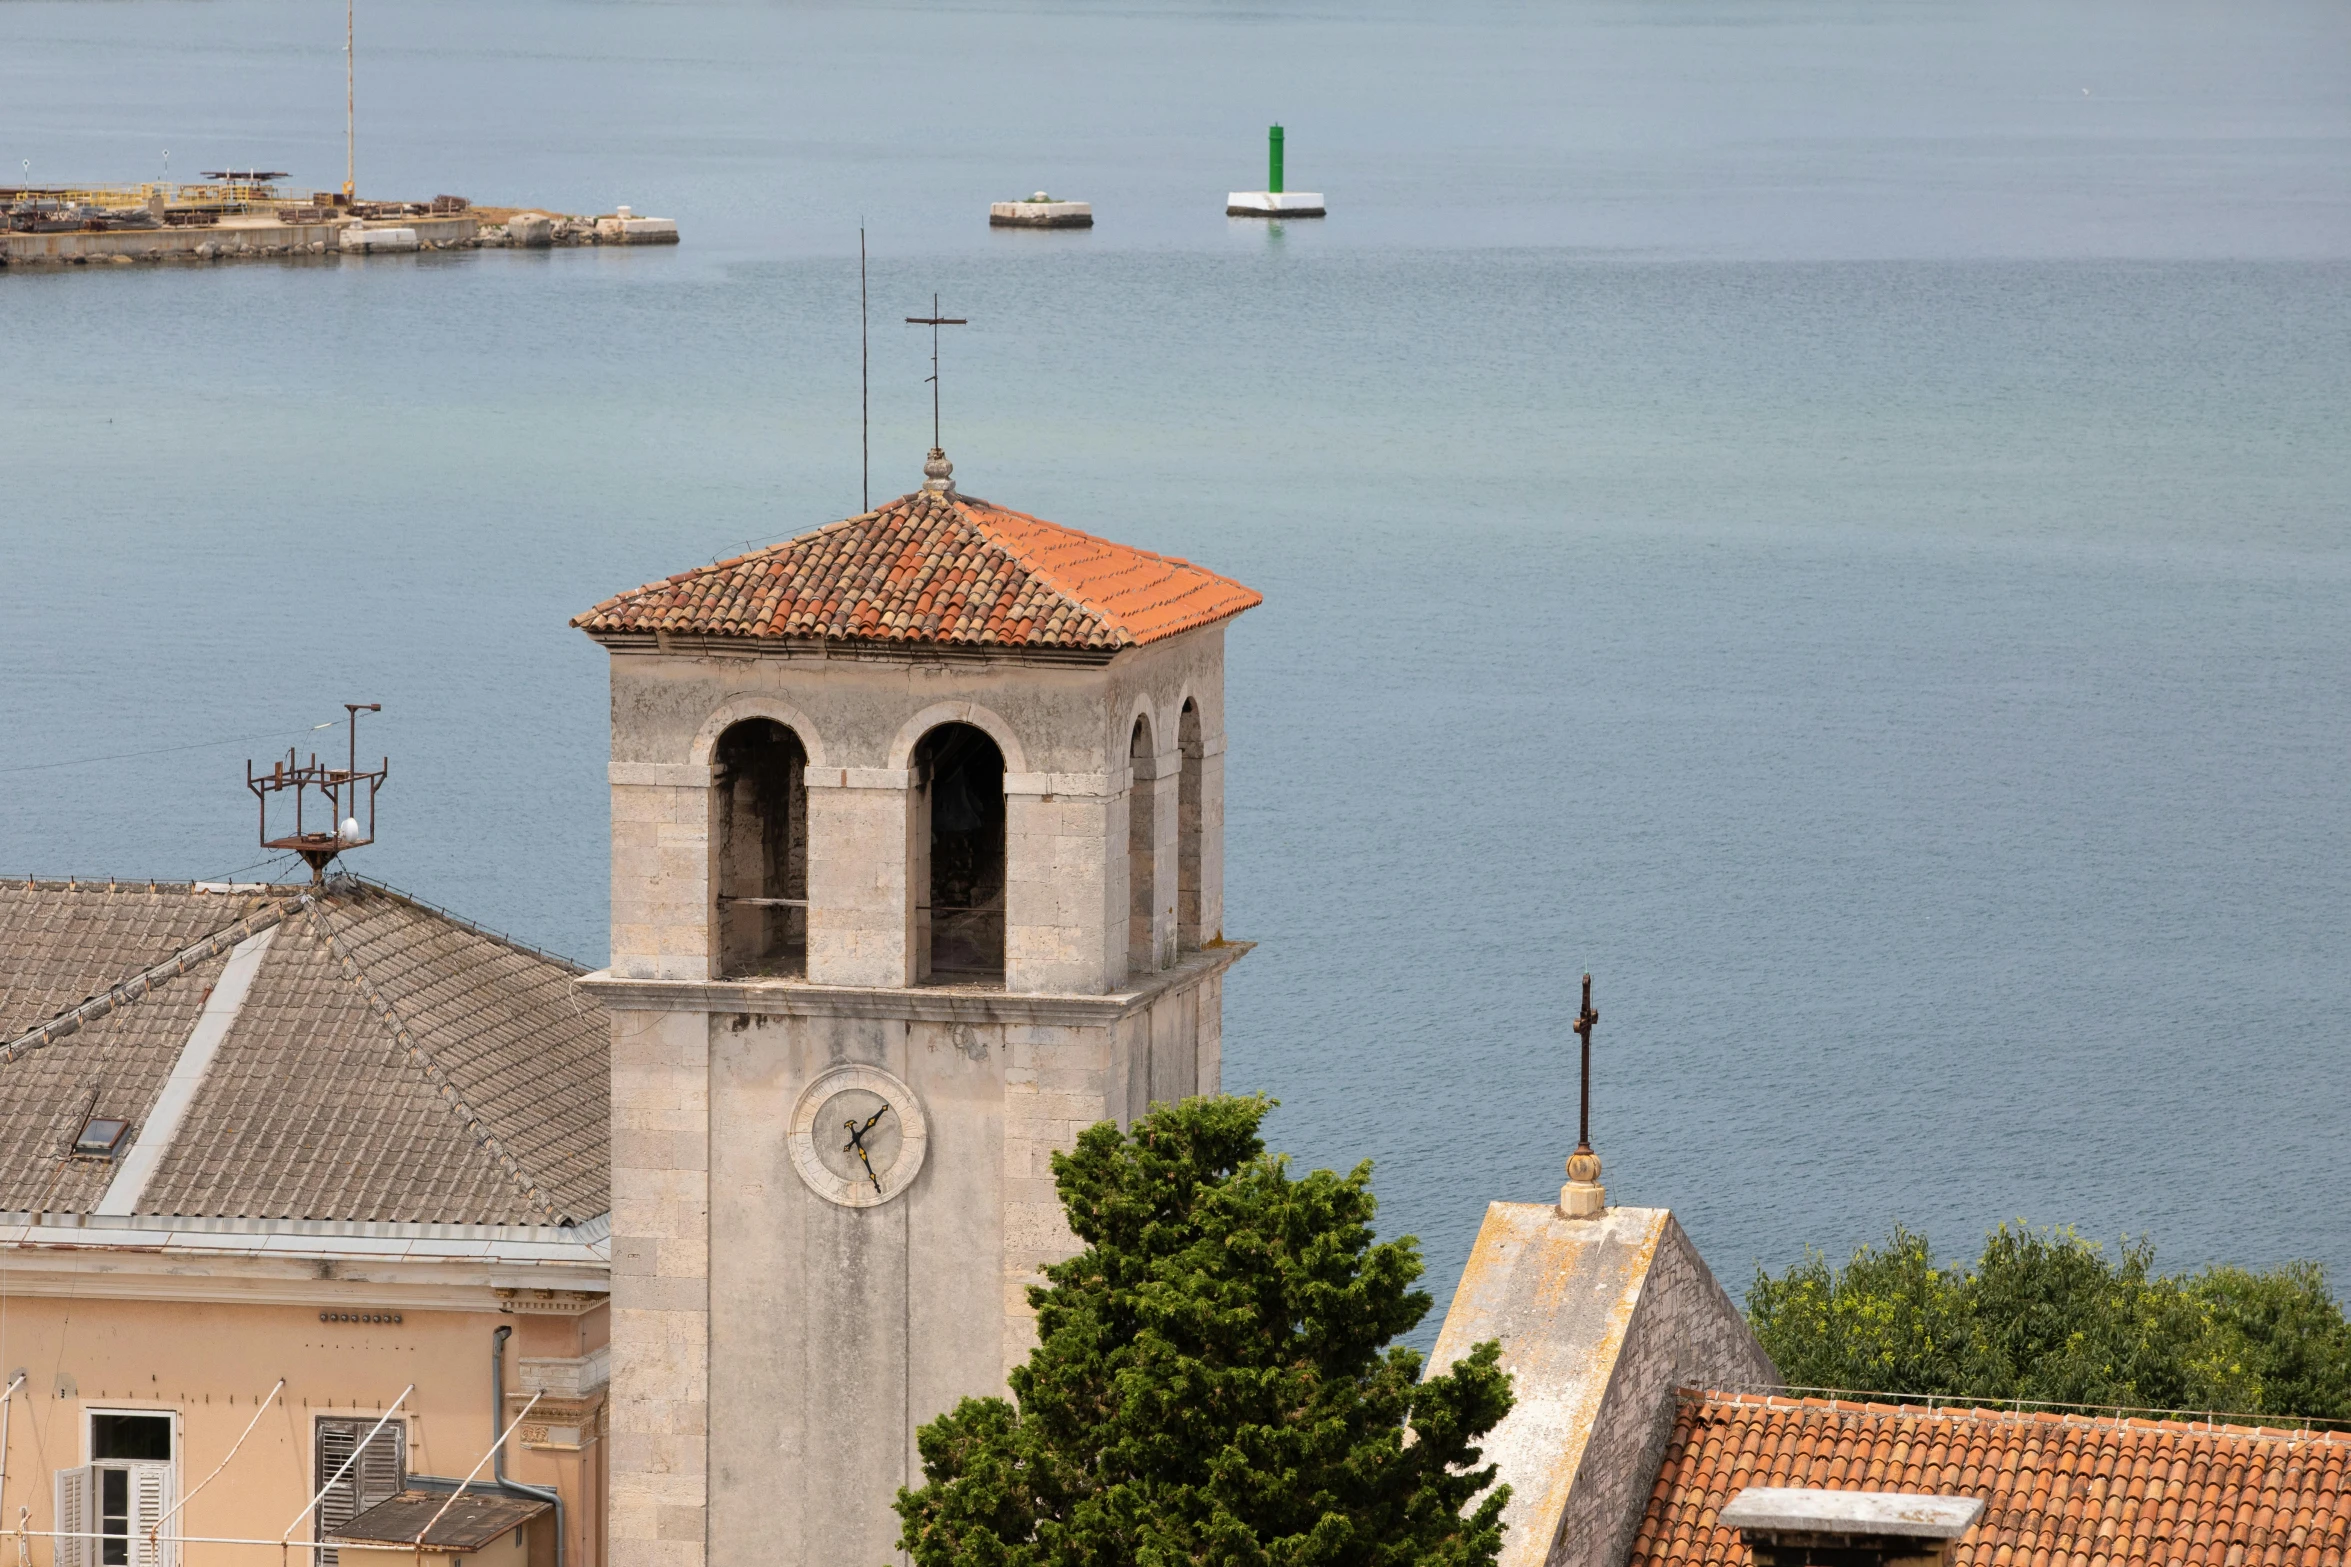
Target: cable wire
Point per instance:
(165, 750)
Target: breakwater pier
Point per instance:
(249, 218)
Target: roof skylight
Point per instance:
(101, 1136)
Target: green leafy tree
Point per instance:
(1890, 1320)
(2044, 1315)
(2281, 1330)
(1215, 1384)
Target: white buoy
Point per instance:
(1040, 211)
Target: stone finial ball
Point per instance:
(1583, 1167)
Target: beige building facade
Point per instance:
(155, 1372)
(303, 1190)
(917, 871)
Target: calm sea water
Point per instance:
(1830, 516)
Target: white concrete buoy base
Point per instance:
(1041, 214)
(1274, 204)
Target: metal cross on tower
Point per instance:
(1584, 1023)
(935, 321)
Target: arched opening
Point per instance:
(959, 924)
(1142, 850)
(762, 881)
(1188, 932)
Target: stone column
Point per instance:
(1064, 927)
(861, 900)
(1166, 818)
(1211, 837)
(661, 868)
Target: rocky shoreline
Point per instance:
(261, 239)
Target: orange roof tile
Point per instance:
(2056, 1488)
(941, 569)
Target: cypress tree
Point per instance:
(1215, 1383)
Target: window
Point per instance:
(762, 782)
(122, 1494)
(379, 1475)
(959, 781)
(114, 1434)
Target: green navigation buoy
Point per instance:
(1274, 201)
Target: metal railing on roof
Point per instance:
(1953, 1403)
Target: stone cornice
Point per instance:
(797, 998)
(41, 1266)
(660, 644)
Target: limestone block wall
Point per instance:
(1056, 1084)
(1685, 1330)
(660, 1396)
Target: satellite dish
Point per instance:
(349, 831)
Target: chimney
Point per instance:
(1793, 1528)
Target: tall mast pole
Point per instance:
(864, 386)
(350, 103)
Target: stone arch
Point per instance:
(1145, 712)
(1142, 844)
(910, 733)
(735, 709)
(1191, 752)
(759, 883)
(961, 842)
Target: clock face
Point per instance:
(858, 1136)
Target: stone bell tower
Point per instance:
(917, 871)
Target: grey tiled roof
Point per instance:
(389, 1063)
(59, 946)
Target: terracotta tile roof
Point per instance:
(2059, 1490)
(941, 569)
(390, 1063)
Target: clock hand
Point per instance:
(856, 1143)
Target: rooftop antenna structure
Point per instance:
(938, 473)
(350, 106)
(340, 789)
(1583, 1197)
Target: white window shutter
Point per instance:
(151, 1490)
(77, 1513)
(336, 1439)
